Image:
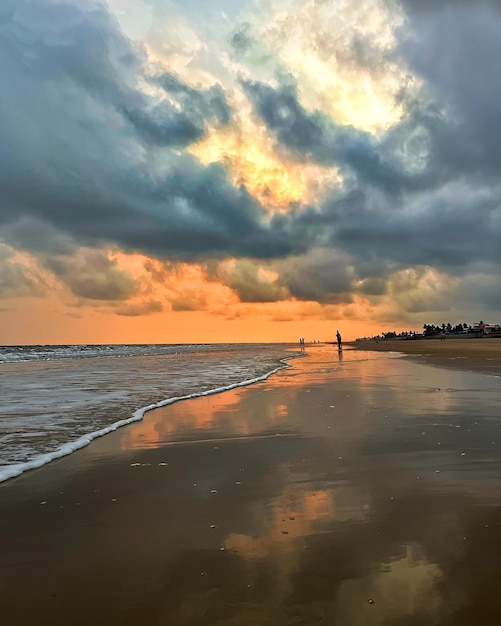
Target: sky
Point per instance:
(255, 170)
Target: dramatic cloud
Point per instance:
(453, 50)
(17, 277)
(292, 152)
(249, 280)
(162, 124)
(324, 276)
(315, 137)
(16, 280)
(78, 124)
(92, 274)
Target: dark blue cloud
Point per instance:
(163, 124)
(86, 152)
(454, 48)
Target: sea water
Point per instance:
(56, 399)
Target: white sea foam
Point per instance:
(12, 470)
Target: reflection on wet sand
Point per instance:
(350, 528)
(355, 492)
(297, 514)
(405, 587)
(214, 416)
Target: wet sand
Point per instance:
(480, 354)
(355, 489)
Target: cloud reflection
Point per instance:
(322, 492)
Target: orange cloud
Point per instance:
(179, 302)
(249, 155)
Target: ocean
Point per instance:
(57, 399)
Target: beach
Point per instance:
(355, 488)
(477, 353)
(57, 399)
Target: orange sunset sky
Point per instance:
(178, 172)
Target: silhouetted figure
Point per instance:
(339, 340)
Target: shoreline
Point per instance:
(477, 354)
(8, 472)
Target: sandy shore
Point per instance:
(350, 489)
(481, 354)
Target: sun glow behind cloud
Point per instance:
(340, 56)
(247, 152)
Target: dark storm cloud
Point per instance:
(75, 134)
(455, 50)
(71, 47)
(449, 228)
(91, 274)
(331, 276)
(426, 192)
(245, 279)
(163, 125)
(208, 103)
(317, 138)
(484, 288)
(455, 219)
(324, 275)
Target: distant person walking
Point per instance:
(339, 340)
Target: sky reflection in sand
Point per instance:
(385, 478)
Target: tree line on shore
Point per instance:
(439, 330)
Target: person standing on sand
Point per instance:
(339, 340)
